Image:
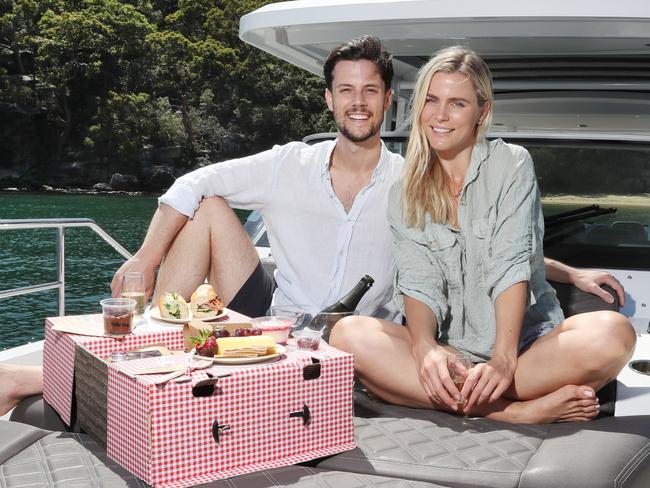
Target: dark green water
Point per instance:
(28, 257)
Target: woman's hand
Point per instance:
(431, 362)
(488, 381)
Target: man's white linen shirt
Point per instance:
(321, 251)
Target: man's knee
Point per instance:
(212, 209)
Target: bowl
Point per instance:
(308, 339)
(276, 326)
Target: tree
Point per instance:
(84, 52)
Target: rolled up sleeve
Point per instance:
(244, 183)
(419, 275)
(512, 239)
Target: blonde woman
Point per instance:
(468, 228)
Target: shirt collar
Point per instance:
(480, 153)
(379, 171)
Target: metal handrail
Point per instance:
(60, 225)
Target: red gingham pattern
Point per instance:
(163, 434)
(58, 352)
(255, 401)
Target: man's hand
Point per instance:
(431, 363)
(488, 381)
(135, 263)
(591, 281)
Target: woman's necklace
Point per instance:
(456, 189)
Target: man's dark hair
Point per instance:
(365, 47)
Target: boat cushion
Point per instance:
(35, 457)
(305, 477)
(437, 447)
(31, 457)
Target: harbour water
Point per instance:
(28, 257)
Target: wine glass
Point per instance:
(459, 367)
(133, 288)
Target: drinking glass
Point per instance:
(459, 367)
(118, 316)
(133, 289)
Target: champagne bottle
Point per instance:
(349, 302)
(346, 305)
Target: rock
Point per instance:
(162, 177)
(101, 187)
(120, 182)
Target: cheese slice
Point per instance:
(245, 346)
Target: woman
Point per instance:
(468, 229)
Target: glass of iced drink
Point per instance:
(459, 367)
(118, 315)
(133, 289)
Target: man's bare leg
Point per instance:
(213, 244)
(18, 382)
(385, 364)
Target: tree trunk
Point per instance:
(187, 124)
(63, 138)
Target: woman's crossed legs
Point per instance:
(555, 380)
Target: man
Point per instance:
(323, 206)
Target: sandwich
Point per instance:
(173, 306)
(205, 303)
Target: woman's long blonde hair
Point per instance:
(425, 186)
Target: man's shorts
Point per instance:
(254, 297)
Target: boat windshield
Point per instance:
(595, 197)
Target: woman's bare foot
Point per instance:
(570, 403)
(18, 382)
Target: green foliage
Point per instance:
(107, 79)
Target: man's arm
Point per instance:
(165, 225)
(587, 280)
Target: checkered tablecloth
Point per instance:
(255, 401)
(59, 352)
(164, 435)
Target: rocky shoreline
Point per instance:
(75, 191)
(156, 181)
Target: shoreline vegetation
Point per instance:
(148, 89)
(600, 199)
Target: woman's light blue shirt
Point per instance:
(460, 273)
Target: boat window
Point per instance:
(596, 201)
(595, 198)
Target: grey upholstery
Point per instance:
(432, 446)
(33, 457)
(575, 301)
(304, 477)
(35, 411)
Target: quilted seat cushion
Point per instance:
(432, 446)
(304, 477)
(58, 459)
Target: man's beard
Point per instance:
(357, 137)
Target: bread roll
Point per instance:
(205, 303)
(173, 306)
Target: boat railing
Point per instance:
(60, 225)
